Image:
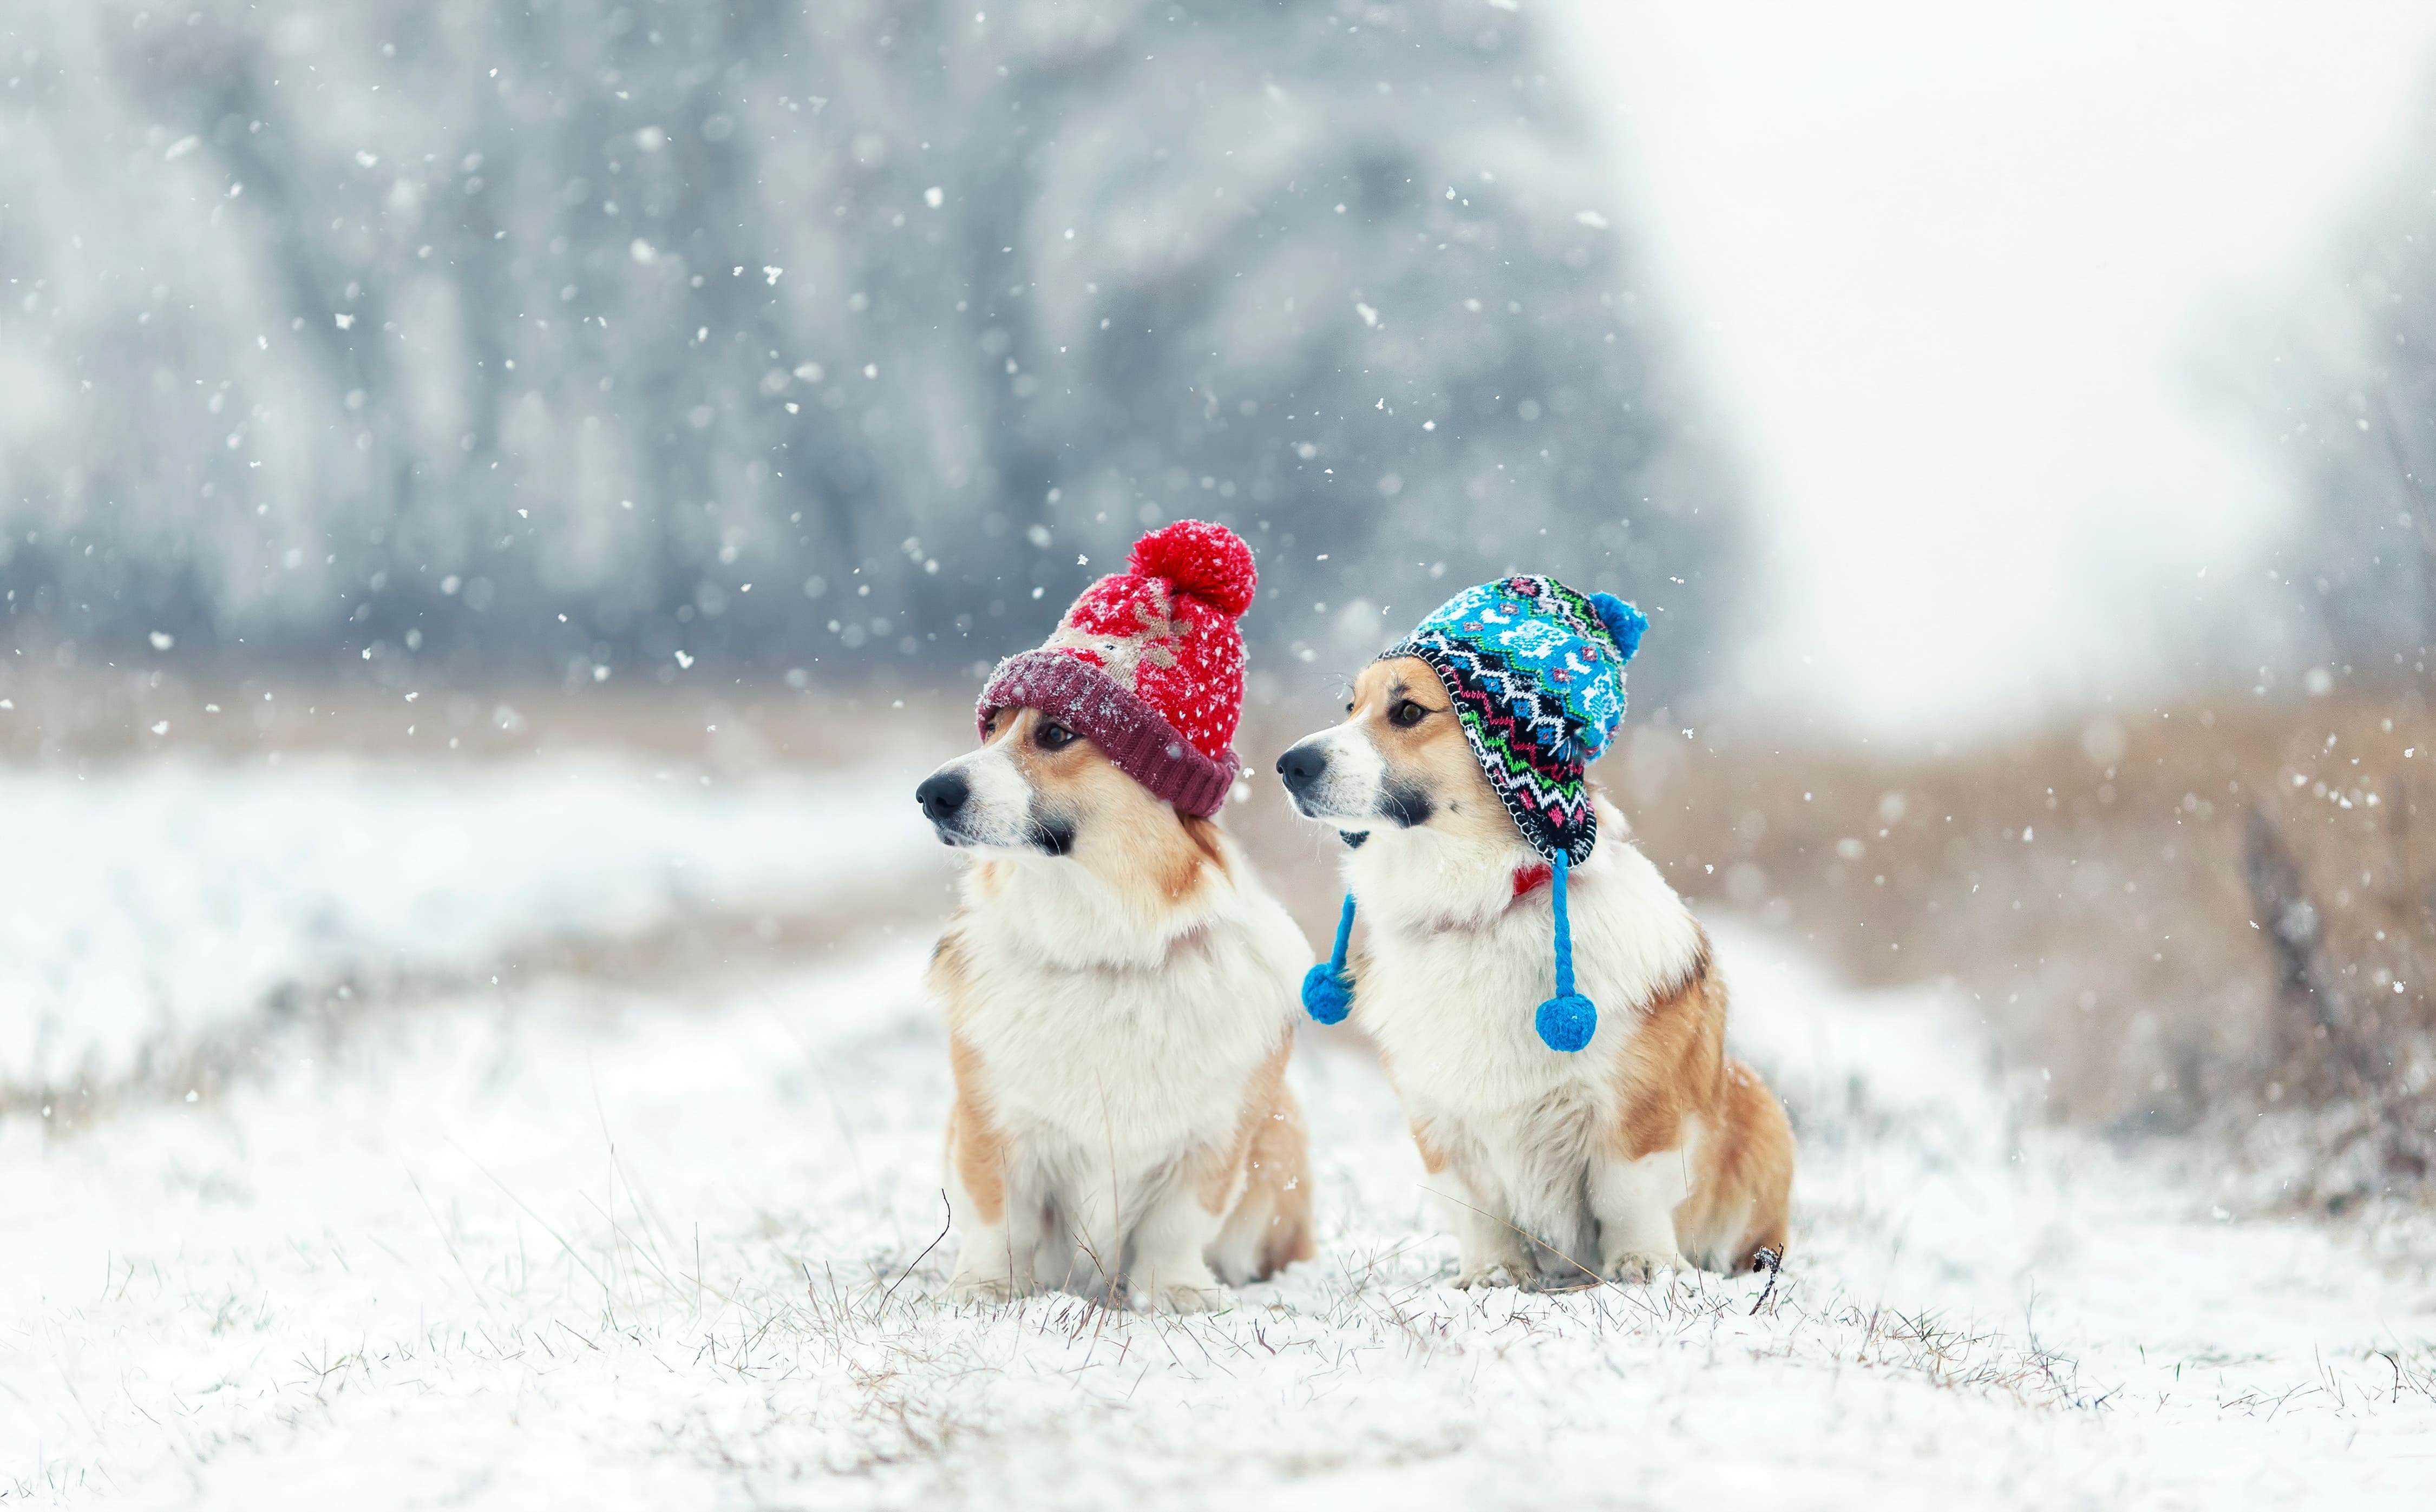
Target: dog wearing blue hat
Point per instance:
(1545, 1004)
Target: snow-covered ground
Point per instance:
(144, 905)
(569, 1243)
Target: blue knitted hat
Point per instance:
(1536, 673)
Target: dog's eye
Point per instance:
(989, 726)
(1406, 714)
(1053, 736)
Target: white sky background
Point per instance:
(1953, 276)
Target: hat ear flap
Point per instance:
(1624, 622)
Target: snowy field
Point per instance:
(573, 1243)
(144, 908)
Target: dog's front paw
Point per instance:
(1175, 1299)
(1489, 1275)
(1640, 1267)
(991, 1290)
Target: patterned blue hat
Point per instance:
(1537, 674)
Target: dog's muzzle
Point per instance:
(944, 796)
(1326, 789)
(1301, 769)
(941, 795)
(947, 800)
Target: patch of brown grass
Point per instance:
(2097, 890)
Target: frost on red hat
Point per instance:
(1149, 664)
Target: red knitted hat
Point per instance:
(1150, 664)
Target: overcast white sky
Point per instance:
(1953, 275)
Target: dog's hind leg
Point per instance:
(1739, 1205)
(1169, 1272)
(1491, 1250)
(1634, 1203)
(1089, 1259)
(997, 1221)
(1270, 1226)
(1053, 1259)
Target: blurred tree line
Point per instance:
(559, 337)
(2356, 413)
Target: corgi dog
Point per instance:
(1120, 997)
(1646, 1148)
(1117, 982)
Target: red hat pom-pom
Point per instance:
(1200, 560)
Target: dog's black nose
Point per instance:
(1301, 766)
(941, 795)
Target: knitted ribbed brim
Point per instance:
(1134, 735)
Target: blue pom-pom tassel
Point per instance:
(1326, 995)
(1624, 622)
(1327, 992)
(1567, 1020)
(1565, 1023)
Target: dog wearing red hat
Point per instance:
(1119, 989)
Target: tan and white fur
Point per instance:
(1119, 992)
(1648, 1148)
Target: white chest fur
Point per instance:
(1457, 964)
(1111, 1035)
(1130, 1061)
(1457, 967)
